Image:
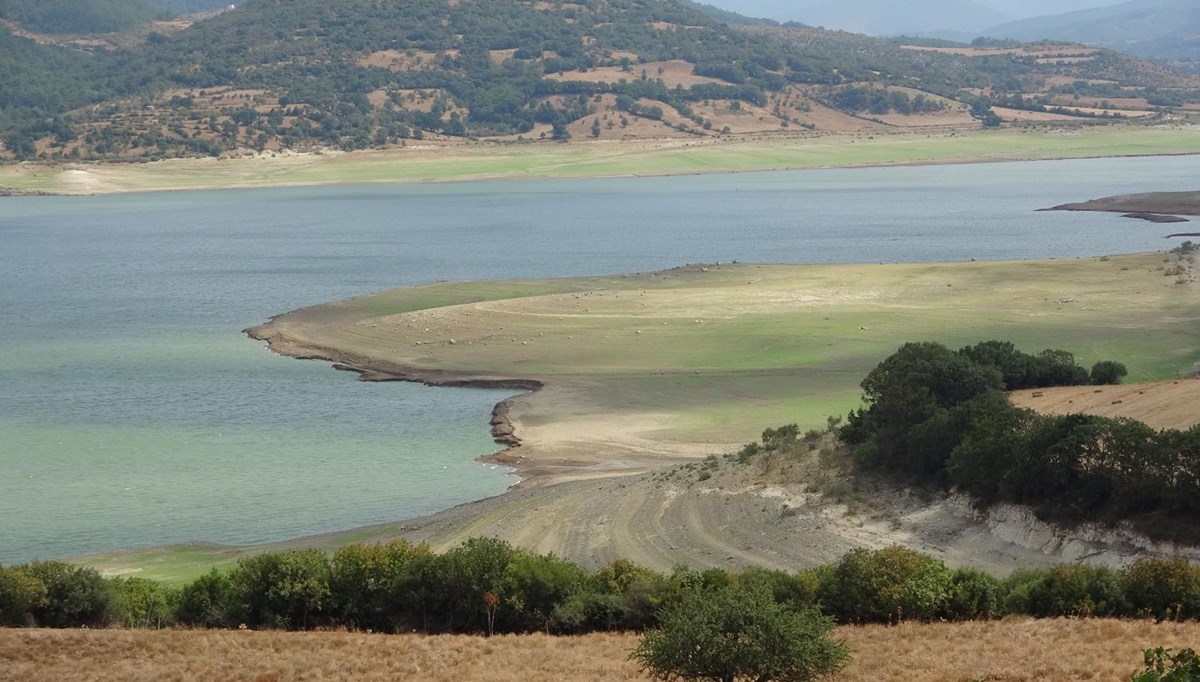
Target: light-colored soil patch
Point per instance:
(1022, 115)
(1009, 650)
(953, 117)
(674, 72)
(1116, 103)
(1162, 404)
(406, 60)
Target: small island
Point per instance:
(1156, 207)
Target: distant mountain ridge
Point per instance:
(914, 17)
(1147, 28)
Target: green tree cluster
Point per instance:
(487, 586)
(942, 416)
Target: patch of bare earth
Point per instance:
(1008, 650)
(672, 73)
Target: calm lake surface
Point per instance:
(133, 412)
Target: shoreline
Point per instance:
(586, 160)
(503, 430)
(606, 496)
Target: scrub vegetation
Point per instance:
(486, 586)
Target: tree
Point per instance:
(732, 634)
(1107, 372)
(20, 594)
(887, 586)
(75, 596)
(288, 590)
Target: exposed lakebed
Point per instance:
(134, 412)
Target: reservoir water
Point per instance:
(133, 412)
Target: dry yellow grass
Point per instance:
(1161, 404)
(1012, 651)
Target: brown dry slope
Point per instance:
(1161, 404)
(1010, 650)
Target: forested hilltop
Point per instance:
(354, 74)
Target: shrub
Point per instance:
(288, 590)
(141, 603)
(207, 602)
(75, 596)
(974, 595)
(365, 584)
(733, 634)
(20, 594)
(1107, 372)
(1162, 666)
(885, 586)
(534, 585)
(1165, 589)
(1075, 590)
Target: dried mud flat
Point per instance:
(781, 513)
(1010, 650)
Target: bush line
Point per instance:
(486, 586)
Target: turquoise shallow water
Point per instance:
(133, 412)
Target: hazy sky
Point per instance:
(1017, 9)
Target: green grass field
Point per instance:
(432, 163)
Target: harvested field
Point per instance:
(1010, 650)
(1161, 404)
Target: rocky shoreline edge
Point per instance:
(503, 430)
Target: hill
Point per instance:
(1167, 29)
(357, 74)
(72, 16)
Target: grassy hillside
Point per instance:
(358, 74)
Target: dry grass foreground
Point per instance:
(1010, 650)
